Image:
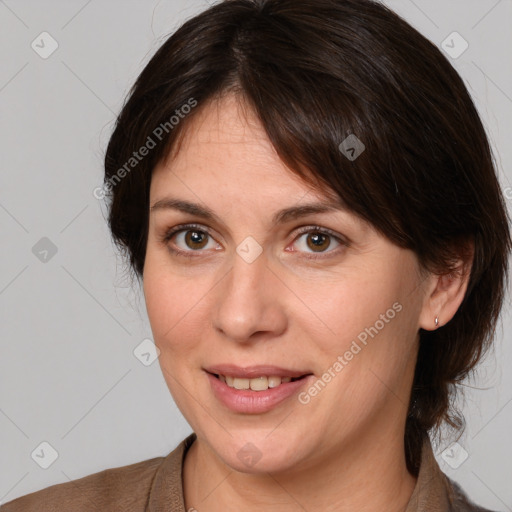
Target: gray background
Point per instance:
(69, 325)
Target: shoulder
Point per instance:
(459, 500)
(435, 490)
(115, 489)
(147, 485)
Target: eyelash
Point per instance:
(196, 227)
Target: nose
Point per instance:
(249, 302)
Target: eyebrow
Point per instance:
(280, 217)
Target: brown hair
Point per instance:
(316, 71)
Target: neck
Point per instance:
(366, 474)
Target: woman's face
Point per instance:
(245, 298)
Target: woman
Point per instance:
(307, 194)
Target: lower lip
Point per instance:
(254, 402)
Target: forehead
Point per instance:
(225, 145)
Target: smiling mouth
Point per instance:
(262, 383)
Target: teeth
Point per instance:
(241, 383)
(257, 384)
(273, 382)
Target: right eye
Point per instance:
(193, 238)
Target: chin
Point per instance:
(260, 453)
(272, 464)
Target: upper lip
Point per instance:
(249, 372)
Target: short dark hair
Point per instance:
(316, 72)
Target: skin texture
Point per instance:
(343, 450)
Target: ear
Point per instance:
(445, 293)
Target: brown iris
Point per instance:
(195, 237)
(316, 240)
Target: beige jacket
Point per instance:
(155, 485)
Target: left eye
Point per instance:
(318, 241)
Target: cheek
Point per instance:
(162, 293)
(175, 305)
(172, 308)
(367, 368)
(345, 308)
(370, 320)
(160, 302)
